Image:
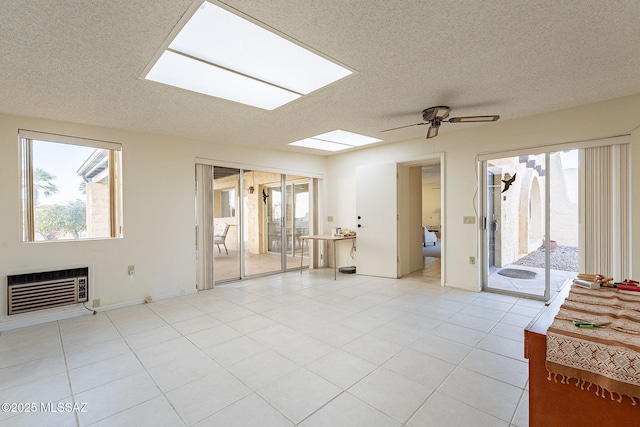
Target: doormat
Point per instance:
(516, 273)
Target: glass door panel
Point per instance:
(297, 219)
(563, 218)
(226, 190)
(263, 222)
(516, 257)
(274, 219)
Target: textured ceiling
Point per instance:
(80, 61)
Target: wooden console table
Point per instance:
(328, 238)
(555, 404)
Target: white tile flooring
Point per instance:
(282, 350)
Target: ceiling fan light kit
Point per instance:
(434, 116)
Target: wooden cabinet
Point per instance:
(565, 405)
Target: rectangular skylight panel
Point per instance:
(348, 138)
(187, 73)
(319, 144)
(225, 39)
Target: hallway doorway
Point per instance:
(431, 219)
(421, 227)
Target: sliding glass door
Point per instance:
(297, 219)
(249, 222)
(263, 220)
(226, 214)
(530, 223)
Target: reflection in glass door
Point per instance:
(530, 223)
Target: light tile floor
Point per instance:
(227, 265)
(291, 349)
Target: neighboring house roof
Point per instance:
(97, 162)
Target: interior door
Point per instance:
(377, 219)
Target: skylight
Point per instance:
(336, 140)
(221, 54)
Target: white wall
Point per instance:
(159, 196)
(410, 231)
(159, 211)
(461, 145)
(431, 208)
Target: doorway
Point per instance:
(421, 225)
(431, 219)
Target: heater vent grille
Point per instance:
(41, 294)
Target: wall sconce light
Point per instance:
(250, 189)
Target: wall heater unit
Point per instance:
(39, 291)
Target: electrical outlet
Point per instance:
(330, 219)
(131, 270)
(472, 260)
(96, 303)
(468, 219)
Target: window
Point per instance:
(71, 188)
(228, 203)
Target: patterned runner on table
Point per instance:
(605, 358)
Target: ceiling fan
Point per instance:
(434, 116)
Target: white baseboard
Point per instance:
(62, 313)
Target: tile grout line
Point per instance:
(66, 367)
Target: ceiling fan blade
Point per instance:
(406, 126)
(432, 132)
(470, 119)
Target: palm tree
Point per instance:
(43, 182)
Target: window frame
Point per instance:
(27, 206)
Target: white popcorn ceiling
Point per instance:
(81, 61)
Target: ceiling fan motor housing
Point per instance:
(435, 114)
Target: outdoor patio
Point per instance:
(533, 286)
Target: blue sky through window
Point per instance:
(61, 161)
